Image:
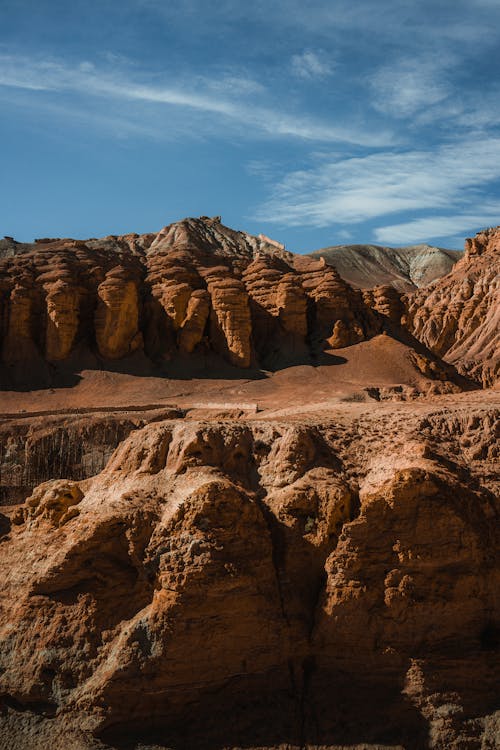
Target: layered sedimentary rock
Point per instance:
(195, 321)
(34, 448)
(117, 315)
(403, 268)
(200, 285)
(195, 283)
(291, 303)
(19, 314)
(387, 301)
(65, 293)
(340, 314)
(458, 317)
(307, 571)
(260, 584)
(63, 319)
(230, 322)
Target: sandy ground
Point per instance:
(327, 391)
(343, 385)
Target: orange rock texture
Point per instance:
(260, 584)
(458, 316)
(253, 507)
(195, 284)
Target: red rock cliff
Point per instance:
(196, 283)
(458, 316)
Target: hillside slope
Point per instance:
(404, 268)
(201, 553)
(195, 293)
(458, 316)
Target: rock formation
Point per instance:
(254, 584)
(63, 319)
(386, 301)
(404, 268)
(117, 315)
(230, 323)
(200, 286)
(253, 506)
(458, 317)
(193, 326)
(195, 283)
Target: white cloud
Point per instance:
(232, 85)
(86, 66)
(310, 65)
(465, 20)
(411, 85)
(437, 227)
(344, 234)
(232, 102)
(366, 188)
(106, 123)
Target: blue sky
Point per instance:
(317, 123)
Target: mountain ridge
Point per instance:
(406, 268)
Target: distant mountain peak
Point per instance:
(405, 268)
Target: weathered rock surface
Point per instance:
(63, 319)
(117, 315)
(387, 301)
(35, 449)
(198, 287)
(195, 284)
(304, 559)
(458, 317)
(230, 322)
(260, 584)
(404, 268)
(194, 324)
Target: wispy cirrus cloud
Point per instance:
(459, 20)
(311, 65)
(366, 117)
(229, 98)
(410, 85)
(452, 178)
(442, 226)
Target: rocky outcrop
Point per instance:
(403, 268)
(54, 502)
(19, 322)
(200, 286)
(385, 300)
(334, 585)
(65, 294)
(194, 324)
(195, 284)
(35, 449)
(230, 322)
(266, 565)
(117, 315)
(63, 319)
(291, 304)
(458, 317)
(341, 317)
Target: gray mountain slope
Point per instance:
(405, 268)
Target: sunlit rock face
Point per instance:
(458, 317)
(117, 315)
(195, 286)
(198, 286)
(404, 268)
(252, 507)
(322, 595)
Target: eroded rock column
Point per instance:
(117, 315)
(63, 316)
(230, 321)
